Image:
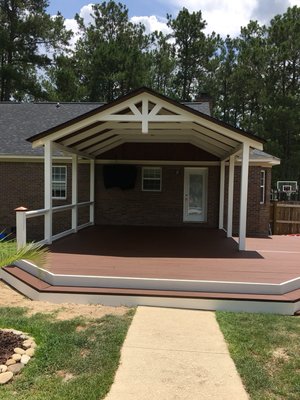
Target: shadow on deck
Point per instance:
(177, 242)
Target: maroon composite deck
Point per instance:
(175, 253)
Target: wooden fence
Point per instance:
(285, 218)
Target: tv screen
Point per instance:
(119, 175)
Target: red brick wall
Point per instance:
(22, 184)
(257, 214)
(135, 207)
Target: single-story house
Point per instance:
(143, 159)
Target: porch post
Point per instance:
(74, 192)
(48, 147)
(244, 196)
(221, 202)
(92, 191)
(230, 195)
(21, 226)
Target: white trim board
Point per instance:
(56, 159)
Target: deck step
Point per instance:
(43, 287)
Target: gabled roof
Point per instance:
(136, 93)
(144, 116)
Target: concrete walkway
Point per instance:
(173, 354)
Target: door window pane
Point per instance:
(195, 194)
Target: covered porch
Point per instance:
(145, 118)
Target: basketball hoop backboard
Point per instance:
(287, 186)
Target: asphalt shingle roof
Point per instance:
(19, 121)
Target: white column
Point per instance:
(230, 196)
(74, 192)
(244, 196)
(92, 191)
(48, 191)
(221, 202)
(21, 226)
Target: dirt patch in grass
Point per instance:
(65, 311)
(281, 354)
(84, 353)
(65, 375)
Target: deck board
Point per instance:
(175, 253)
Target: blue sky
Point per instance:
(222, 16)
(136, 7)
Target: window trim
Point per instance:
(154, 179)
(65, 181)
(262, 185)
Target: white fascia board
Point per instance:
(62, 159)
(263, 160)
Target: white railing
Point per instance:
(22, 214)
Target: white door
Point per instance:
(195, 195)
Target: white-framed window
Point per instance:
(262, 186)
(59, 182)
(151, 179)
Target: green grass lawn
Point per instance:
(75, 360)
(266, 351)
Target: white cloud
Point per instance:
(86, 12)
(70, 23)
(152, 23)
(228, 16)
(222, 16)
